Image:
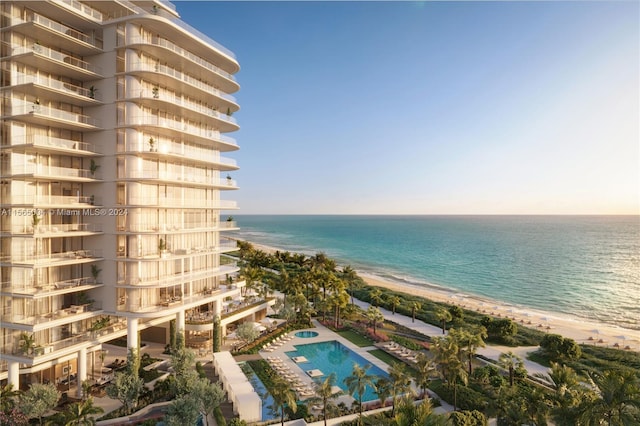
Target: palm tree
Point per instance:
(352, 280)
(443, 316)
(415, 306)
(375, 295)
(451, 368)
(511, 362)
(469, 341)
(324, 392)
(617, 400)
(357, 384)
(394, 301)
(283, 396)
(8, 398)
(423, 371)
(81, 413)
(411, 414)
(567, 393)
(251, 276)
(374, 316)
(383, 390)
(400, 383)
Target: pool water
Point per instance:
(306, 334)
(259, 387)
(334, 357)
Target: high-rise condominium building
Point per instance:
(114, 116)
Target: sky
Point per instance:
(433, 107)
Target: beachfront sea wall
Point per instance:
(246, 402)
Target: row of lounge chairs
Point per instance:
(401, 352)
(277, 342)
(302, 389)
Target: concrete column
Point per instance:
(82, 370)
(180, 321)
(14, 374)
(132, 333)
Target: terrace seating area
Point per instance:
(277, 342)
(303, 390)
(400, 352)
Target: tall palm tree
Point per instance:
(383, 390)
(423, 371)
(324, 392)
(81, 413)
(411, 414)
(374, 316)
(400, 383)
(352, 280)
(394, 301)
(357, 384)
(283, 396)
(251, 276)
(511, 362)
(451, 368)
(375, 295)
(568, 393)
(415, 307)
(617, 400)
(443, 316)
(470, 340)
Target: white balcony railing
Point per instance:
(177, 100)
(51, 257)
(47, 141)
(54, 84)
(55, 228)
(167, 147)
(178, 75)
(154, 120)
(52, 171)
(178, 202)
(78, 201)
(20, 108)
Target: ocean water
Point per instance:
(581, 266)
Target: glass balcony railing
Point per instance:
(172, 72)
(48, 142)
(167, 147)
(58, 28)
(79, 201)
(154, 120)
(55, 228)
(82, 8)
(51, 171)
(181, 202)
(56, 56)
(187, 227)
(179, 177)
(49, 287)
(178, 278)
(68, 312)
(161, 42)
(20, 108)
(51, 257)
(54, 84)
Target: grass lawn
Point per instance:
(356, 338)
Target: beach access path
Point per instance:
(490, 351)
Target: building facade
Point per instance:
(114, 122)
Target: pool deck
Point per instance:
(324, 335)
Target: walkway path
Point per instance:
(490, 351)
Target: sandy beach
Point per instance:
(582, 331)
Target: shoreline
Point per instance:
(581, 330)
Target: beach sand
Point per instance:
(578, 329)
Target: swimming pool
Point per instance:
(334, 357)
(306, 334)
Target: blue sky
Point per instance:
(433, 107)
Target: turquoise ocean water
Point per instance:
(580, 266)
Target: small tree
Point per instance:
(247, 332)
(126, 388)
(208, 396)
(38, 400)
(81, 413)
(182, 411)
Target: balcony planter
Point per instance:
(152, 145)
(156, 92)
(92, 92)
(95, 271)
(162, 247)
(93, 167)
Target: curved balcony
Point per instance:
(53, 145)
(40, 27)
(178, 278)
(71, 313)
(172, 202)
(56, 230)
(54, 62)
(168, 228)
(171, 103)
(180, 153)
(180, 178)
(50, 201)
(41, 86)
(186, 84)
(172, 53)
(43, 115)
(49, 289)
(42, 172)
(52, 259)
